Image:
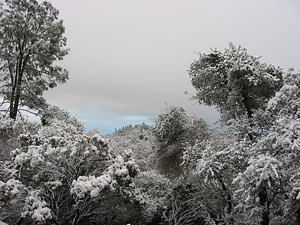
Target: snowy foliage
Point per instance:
(254, 163)
(62, 170)
(36, 208)
(175, 126)
(286, 101)
(258, 186)
(9, 132)
(268, 188)
(119, 172)
(170, 124)
(153, 191)
(220, 159)
(54, 113)
(14, 127)
(175, 131)
(10, 192)
(234, 81)
(140, 140)
(9, 127)
(31, 41)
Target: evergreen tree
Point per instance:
(31, 41)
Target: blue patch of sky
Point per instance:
(106, 122)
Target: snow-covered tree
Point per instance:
(260, 191)
(185, 205)
(31, 41)
(153, 192)
(212, 166)
(234, 81)
(152, 189)
(255, 165)
(174, 126)
(10, 130)
(170, 125)
(268, 189)
(173, 130)
(60, 175)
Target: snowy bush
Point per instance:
(63, 170)
(170, 125)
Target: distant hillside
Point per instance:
(140, 140)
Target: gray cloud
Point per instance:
(133, 55)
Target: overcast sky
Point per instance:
(129, 58)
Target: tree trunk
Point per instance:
(248, 108)
(228, 207)
(298, 216)
(11, 102)
(16, 86)
(263, 200)
(17, 98)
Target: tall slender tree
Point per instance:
(32, 40)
